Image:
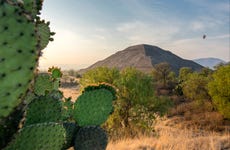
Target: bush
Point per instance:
(219, 89)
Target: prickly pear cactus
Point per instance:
(93, 107)
(43, 84)
(44, 109)
(32, 7)
(91, 138)
(71, 130)
(20, 48)
(47, 136)
(43, 33)
(22, 37)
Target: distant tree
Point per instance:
(219, 89)
(219, 65)
(98, 75)
(195, 87)
(207, 72)
(135, 88)
(184, 73)
(161, 72)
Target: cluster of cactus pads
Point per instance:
(50, 120)
(22, 37)
(54, 122)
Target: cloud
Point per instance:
(197, 26)
(139, 32)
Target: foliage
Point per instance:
(161, 73)
(195, 87)
(136, 104)
(184, 72)
(98, 75)
(219, 89)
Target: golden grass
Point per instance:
(170, 138)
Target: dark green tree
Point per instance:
(99, 75)
(161, 73)
(219, 89)
(195, 87)
(184, 72)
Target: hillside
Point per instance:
(144, 57)
(209, 62)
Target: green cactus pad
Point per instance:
(71, 130)
(43, 34)
(68, 106)
(93, 107)
(106, 86)
(45, 136)
(91, 138)
(32, 7)
(43, 84)
(18, 56)
(43, 109)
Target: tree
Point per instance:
(161, 72)
(206, 72)
(135, 88)
(219, 89)
(195, 87)
(184, 72)
(100, 74)
(134, 106)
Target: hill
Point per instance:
(209, 62)
(143, 57)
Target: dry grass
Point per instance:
(170, 138)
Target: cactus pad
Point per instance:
(93, 107)
(43, 109)
(47, 136)
(43, 84)
(91, 138)
(103, 85)
(43, 34)
(31, 7)
(71, 130)
(18, 56)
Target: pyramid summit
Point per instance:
(143, 57)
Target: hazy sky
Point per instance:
(91, 30)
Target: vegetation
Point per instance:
(50, 121)
(51, 117)
(219, 89)
(162, 73)
(136, 104)
(195, 87)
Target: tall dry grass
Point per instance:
(171, 138)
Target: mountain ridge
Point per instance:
(143, 57)
(210, 62)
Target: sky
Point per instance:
(90, 30)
